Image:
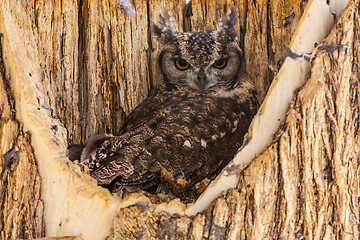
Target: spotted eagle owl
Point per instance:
(192, 125)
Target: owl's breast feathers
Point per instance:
(190, 136)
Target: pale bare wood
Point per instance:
(60, 238)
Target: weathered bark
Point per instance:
(84, 65)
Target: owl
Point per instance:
(192, 125)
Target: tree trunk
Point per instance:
(70, 69)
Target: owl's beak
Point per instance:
(201, 80)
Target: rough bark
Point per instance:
(97, 64)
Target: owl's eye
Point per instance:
(181, 64)
(220, 64)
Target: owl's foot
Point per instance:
(200, 187)
(180, 187)
(83, 168)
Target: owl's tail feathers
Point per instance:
(121, 172)
(118, 162)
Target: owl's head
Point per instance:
(199, 62)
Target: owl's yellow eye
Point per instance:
(181, 64)
(219, 64)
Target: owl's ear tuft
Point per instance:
(166, 28)
(227, 24)
(231, 18)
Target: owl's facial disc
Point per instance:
(204, 62)
(181, 72)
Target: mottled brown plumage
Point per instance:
(193, 125)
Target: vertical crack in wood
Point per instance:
(6, 86)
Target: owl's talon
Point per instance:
(84, 168)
